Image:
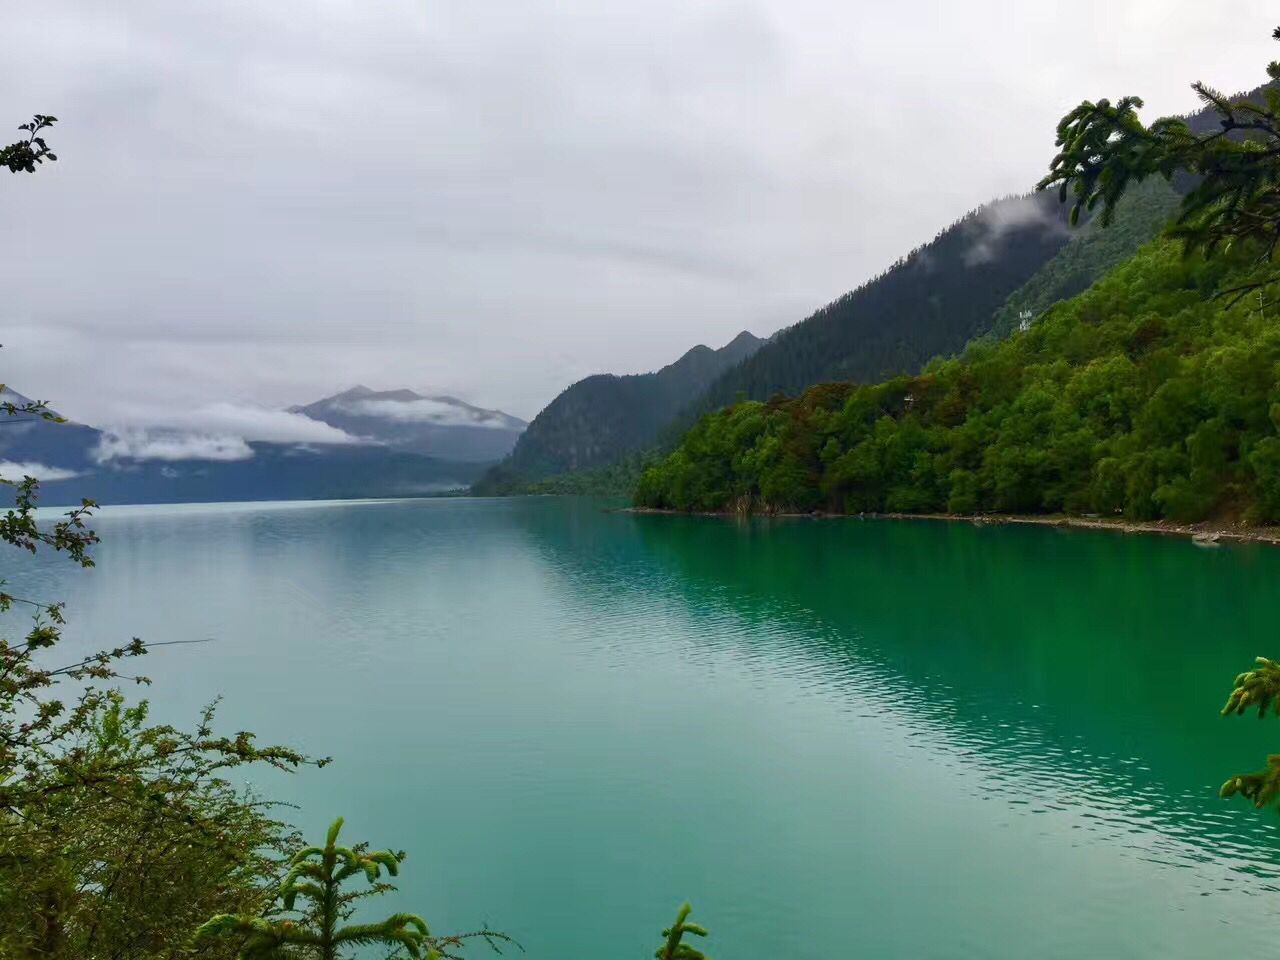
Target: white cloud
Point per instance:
(996, 219)
(152, 445)
(256, 423)
(423, 410)
(216, 431)
(11, 470)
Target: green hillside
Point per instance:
(1092, 251)
(603, 419)
(1087, 255)
(1143, 396)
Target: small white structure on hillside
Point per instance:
(1024, 320)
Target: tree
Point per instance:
(93, 797)
(1105, 149)
(673, 948)
(31, 151)
(317, 875)
(1257, 688)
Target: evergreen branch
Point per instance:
(1259, 688)
(673, 948)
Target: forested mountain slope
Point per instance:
(977, 278)
(600, 420)
(974, 278)
(1092, 251)
(1087, 255)
(933, 301)
(1143, 395)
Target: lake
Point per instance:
(887, 739)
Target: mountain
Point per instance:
(27, 439)
(74, 461)
(1148, 395)
(1092, 251)
(436, 426)
(975, 277)
(602, 419)
(274, 471)
(933, 301)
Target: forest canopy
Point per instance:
(1141, 396)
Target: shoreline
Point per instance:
(1204, 533)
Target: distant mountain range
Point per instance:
(438, 426)
(401, 444)
(599, 420)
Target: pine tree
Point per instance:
(1235, 199)
(317, 875)
(672, 947)
(1260, 688)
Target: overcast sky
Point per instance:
(259, 203)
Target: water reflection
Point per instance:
(1078, 672)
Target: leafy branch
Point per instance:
(26, 154)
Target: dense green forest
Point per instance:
(1141, 396)
(603, 419)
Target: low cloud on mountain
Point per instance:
(11, 470)
(995, 220)
(218, 431)
(155, 445)
(255, 423)
(424, 410)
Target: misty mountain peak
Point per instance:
(438, 426)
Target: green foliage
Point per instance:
(31, 151)
(1091, 253)
(1235, 200)
(93, 796)
(1141, 396)
(1260, 688)
(127, 835)
(973, 279)
(673, 947)
(116, 834)
(317, 875)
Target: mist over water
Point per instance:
(837, 738)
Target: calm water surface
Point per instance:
(837, 738)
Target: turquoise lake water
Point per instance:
(882, 739)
